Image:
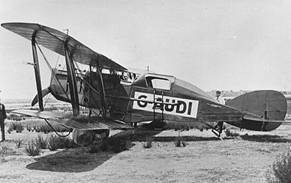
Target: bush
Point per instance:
(179, 142)
(148, 143)
(41, 142)
(281, 170)
(55, 142)
(18, 143)
(32, 149)
(19, 128)
(3, 150)
(65, 142)
(229, 133)
(15, 126)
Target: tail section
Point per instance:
(266, 104)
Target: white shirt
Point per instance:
(220, 100)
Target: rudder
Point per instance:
(268, 104)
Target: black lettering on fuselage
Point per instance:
(169, 107)
(158, 105)
(141, 103)
(189, 108)
(166, 104)
(181, 107)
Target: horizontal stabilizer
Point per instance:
(267, 104)
(80, 122)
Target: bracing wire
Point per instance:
(58, 134)
(53, 72)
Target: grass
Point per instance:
(148, 142)
(3, 150)
(17, 126)
(55, 142)
(18, 143)
(32, 149)
(179, 142)
(281, 170)
(41, 142)
(229, 133)
(37, 126)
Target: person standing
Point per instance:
(2, 119)
(219, 99)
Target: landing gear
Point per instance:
(217, 130)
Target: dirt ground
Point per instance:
(245, 158)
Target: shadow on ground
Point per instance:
(142, 135)
(79, 160)
(70, 160)
(266, 138)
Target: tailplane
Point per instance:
(264, 104)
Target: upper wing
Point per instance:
(81, 123)
(54, 40)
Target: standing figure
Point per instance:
(2, 119)
(219, 99)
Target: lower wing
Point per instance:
(79, 122)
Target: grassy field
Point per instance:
(245, 158)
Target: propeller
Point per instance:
(44, 92)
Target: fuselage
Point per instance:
(151, 97)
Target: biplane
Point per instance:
(125, 100)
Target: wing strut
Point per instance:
(72, 80)
(36, 71)
(102, 91)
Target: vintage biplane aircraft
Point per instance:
(124, 101)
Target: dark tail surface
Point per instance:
(267, 104)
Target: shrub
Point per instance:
(65, 142)
(12, 126)
(41, 142)
(32, 149)
(18, 143)
(3, 150)
(148, 143)
(15, 126)
(28, 128)
(19, 128)
(281, 170)
(53, 142)
(229, 133)
(179, 142)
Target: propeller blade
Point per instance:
(44, 92)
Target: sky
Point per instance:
(213, 44)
